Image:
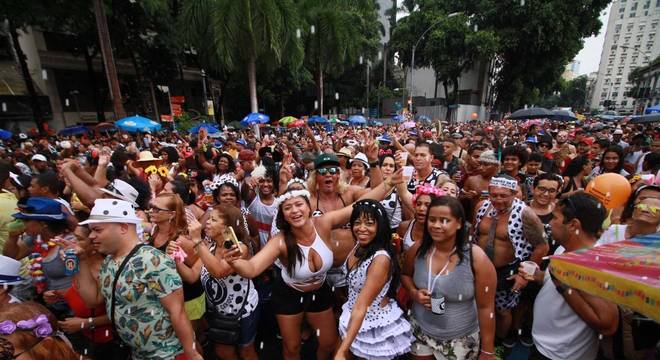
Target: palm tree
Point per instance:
(342, 31)
(255, 33)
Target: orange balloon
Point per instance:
(475, 116)
(612, 190)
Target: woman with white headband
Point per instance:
(303, 251)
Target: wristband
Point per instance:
(373, 165)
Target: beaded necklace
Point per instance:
(40, 251)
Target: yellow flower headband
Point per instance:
(162, 171)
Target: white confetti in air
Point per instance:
(85, 351)
(607, 194)
(194, 346)
(301, 299)
(511, 273)
(81, 357)
(519, 332)
(152, 312)
(333, 289)
(318, 332)
(577, 231)
(570, 291)
(82, 325)
(606, 285)
(261, 345)
(486, 289)
(597, 258)
(107, 333)
(313, 297)
(128, 311)
(409, 312)
(491, 315)
(337, 243)
(645, 278)
(600, 336)
(460, 297)
(598, 205)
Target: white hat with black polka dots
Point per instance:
(112, 211)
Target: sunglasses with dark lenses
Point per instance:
(329, 170)
(155, 209)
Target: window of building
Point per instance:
(621, 16)
(615, 94)
(603, 94)
(647, 4)
(629, 27)
(624, 103)
(653, 24)
(617, 28)
(617, 81)
(622, 9)
(633, 7)
(632, 14)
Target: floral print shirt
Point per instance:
(141, 320)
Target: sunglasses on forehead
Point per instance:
(329, 170)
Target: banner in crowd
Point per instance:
(624, 272)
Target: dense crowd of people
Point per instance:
(373, 243)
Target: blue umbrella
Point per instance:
(210, 128)
(399, 118)
(424, 118)
(137, 123)
(357, 120)
(563, 115)
(652, 109)
(73, 130)
(5, 135)
(316, 119)
(255, 118)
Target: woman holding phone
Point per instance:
(453, 285)
(304, 252)
(227, 293)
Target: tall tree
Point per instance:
(253, 33)
(343, 30)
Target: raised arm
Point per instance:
(258, 263)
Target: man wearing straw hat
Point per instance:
(140, 286)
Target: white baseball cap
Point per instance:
(112, 211)
(122, 190)
(618, 132)
(39, 157)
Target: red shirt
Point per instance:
(101, 334)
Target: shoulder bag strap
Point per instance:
(114, 283)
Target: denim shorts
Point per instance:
(249, 326)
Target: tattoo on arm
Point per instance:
(533, 228)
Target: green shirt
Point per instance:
(141, 320)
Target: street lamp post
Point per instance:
(412, 60)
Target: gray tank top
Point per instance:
(53, 267)
(457, 287)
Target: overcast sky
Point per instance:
(589, 56)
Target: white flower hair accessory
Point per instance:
(290, 195)
(224, 179)
(296, 181)
(504, 183)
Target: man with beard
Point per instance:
(139, 285)
(567, 321)
(510, 233)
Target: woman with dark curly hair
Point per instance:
(574, 175)
(611, 162)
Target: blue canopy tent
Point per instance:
(210, 128)
(255, 118)
(652, 109)
(357, 120)
(73, 130)
(316, 119)
(137, 123)
(5, 135)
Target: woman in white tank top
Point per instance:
(305, 257)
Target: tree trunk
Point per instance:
(152, 90)
(319, 89)
(252, 85)
(444, 86)
(108, 59)
(37, 113)
(94, 89)
(435, 87)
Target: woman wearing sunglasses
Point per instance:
(168, 217)
(640, 217)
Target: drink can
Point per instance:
(70, 262)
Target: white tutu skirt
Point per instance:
(384, 341)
